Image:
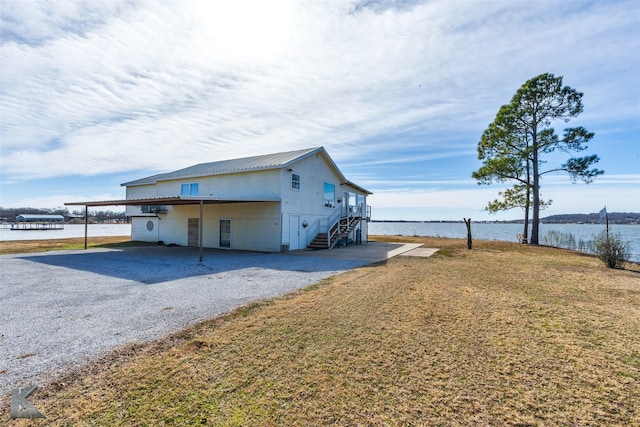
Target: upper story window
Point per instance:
(329, 195)
(295, 181)
(189, 189)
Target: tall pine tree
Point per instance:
(513, 146)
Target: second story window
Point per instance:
(329, 195)
(189, 189)
(295, 181)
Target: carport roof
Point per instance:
(176, 200)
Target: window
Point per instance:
(295, 181)
(329, 195)
(189, 189)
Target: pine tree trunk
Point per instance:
(527, 206)
(536, 188)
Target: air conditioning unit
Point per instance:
(154, 209)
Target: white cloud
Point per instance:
(55, 201)
(108, 87)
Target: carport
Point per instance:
(164, 201)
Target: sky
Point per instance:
(97, 93)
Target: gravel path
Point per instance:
(59, 310)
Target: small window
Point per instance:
(189, 189)
(329, 195)
(295, 181)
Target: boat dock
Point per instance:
(38, 222)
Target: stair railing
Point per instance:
(334, 226)
(337, 225)
(315, 228)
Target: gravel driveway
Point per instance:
(61, 309)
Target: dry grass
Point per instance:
(505, 334)
(22, 246)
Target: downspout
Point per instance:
(282, 178)
(200, 227)
(86, 224)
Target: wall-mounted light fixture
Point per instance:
(290, 170)
(305, 224)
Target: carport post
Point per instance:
(86, 222)
(200, 227)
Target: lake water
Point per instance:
(480, 231)
(507, 232)
(69, 231)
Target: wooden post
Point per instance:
(468, 224)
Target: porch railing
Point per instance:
(339, 221)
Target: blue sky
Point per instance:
(94, 94)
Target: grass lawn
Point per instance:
(21, 246)
(504, 334)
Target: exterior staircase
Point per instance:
(339, 230)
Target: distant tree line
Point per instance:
(10, 214)
(594, 218)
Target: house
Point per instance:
(272, 203)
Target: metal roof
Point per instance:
(38, 217)
(174, 200)
(245, 164)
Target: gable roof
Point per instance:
(245, 164)
(222, 167)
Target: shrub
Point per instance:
(611, 249)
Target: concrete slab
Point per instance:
(367, 252)
(421, 252)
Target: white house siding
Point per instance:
(257, 184)
(139, 192)
(140, 231)
(254, 226)
(307, 203)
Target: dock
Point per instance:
(38, 222)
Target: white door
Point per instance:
(193, 232)
(294, 232)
